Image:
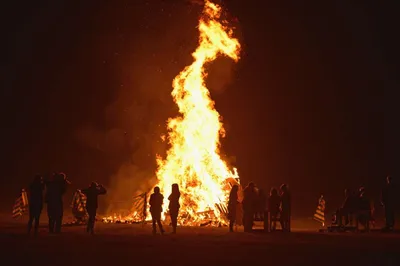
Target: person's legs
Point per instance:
(174, 221)
(31, 218)
(37, 219)
(92, 220)
(389, 215)
(154, 222)
(159, 223)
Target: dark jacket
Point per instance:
(92, 194)
(286, 202)
(156, 202)
(36, 195)
(249, 199)
(388, 196)
(174, 202)
(274, 203)
(55, 191)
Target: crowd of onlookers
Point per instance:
(359, 208)
(50, 191)
(256, 205)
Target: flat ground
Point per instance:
(115, 244)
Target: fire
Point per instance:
(193, 160)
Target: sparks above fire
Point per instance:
(193, 160)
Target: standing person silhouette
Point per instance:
(388, 201)
(35, 202)
(286, 208)
(249, 206)
(232, 206)
(156, 202)
(174, 206)
(274, 203)
(92, 194)
(55, 189)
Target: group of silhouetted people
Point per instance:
(51, 191)
(359, 206)
(256, 205)
(156, 203)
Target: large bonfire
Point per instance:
(193, 160)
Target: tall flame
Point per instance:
(193, 160)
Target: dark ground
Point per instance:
(116, 244)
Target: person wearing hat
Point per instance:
(92, 193)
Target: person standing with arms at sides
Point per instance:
(388, 201)
(274, 202)
(232, 206)
(285, 207)
(174, 206)
(35, 202)
(156, 202)
(92, 194)
(249, 207)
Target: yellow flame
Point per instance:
(193, 160)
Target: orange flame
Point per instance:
(193, 160)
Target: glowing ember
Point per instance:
(193, 160)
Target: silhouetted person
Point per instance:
(49, 185)
(347, 209)
(261, 204)
(364, 208)
(156, 202)
(92, 193)
(174, 206)
(249, 206)
(55, 189)
(274, 204)
(285, 208)
(35, 202)
(388, 201)
(232, 206)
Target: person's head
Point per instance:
(175, 188)
(37, 179)
(93, 185)
(235, 188)
(283, 188)
(58, 177)
(156, 190)
(51, 176)
(273, 192)
(361, 191)
(389, 179)
(251, 185)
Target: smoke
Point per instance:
(130, 137)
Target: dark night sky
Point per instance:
(310, 102)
